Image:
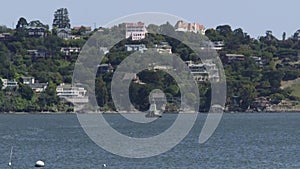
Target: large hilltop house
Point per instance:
(189, 27)
(136, 31)
(35, 31)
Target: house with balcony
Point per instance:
(135, 31)
(9, 83)
(34, 85)
(163, 47)
(34, 31)
(231, 58)
(218, 45)
(68, 51)
(203, 72)
(73, 94)
(105, 68)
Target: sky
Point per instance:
(254, 17)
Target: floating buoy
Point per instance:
(9, 164)
(39, 164)
(104, 165)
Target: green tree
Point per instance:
(22, 23)
(247, 94)
(25, 91)
(101, 91)
(224, 30)
(38, 23)
(61, 18)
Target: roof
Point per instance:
(235, 55)
(87, 28)
(38, 85)
(138, 24)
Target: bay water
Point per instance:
(256, 140)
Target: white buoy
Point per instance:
(104, 165)
(9, 164)
(39, 164)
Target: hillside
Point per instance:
(260, 73)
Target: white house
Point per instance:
(71, 93)
(35, 86)
(136, 31)
(105, 68)
(136, 47)
(234, 58)
(203, 71)
(164, 47)
(67, 51)
(36, 31)
(64, 33)
(9, 83)
(189, 27)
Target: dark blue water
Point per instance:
(241, 141)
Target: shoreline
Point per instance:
(114, 112)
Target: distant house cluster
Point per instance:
(74, 33)
(30, 81)
(189, 27)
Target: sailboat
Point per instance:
(10, 157)
(37, 164)
(153, 112)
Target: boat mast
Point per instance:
(10, 157)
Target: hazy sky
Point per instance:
(253, 16)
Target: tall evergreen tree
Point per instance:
(61, 18)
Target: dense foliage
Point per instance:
(246, 80)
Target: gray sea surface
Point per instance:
(256, 140)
